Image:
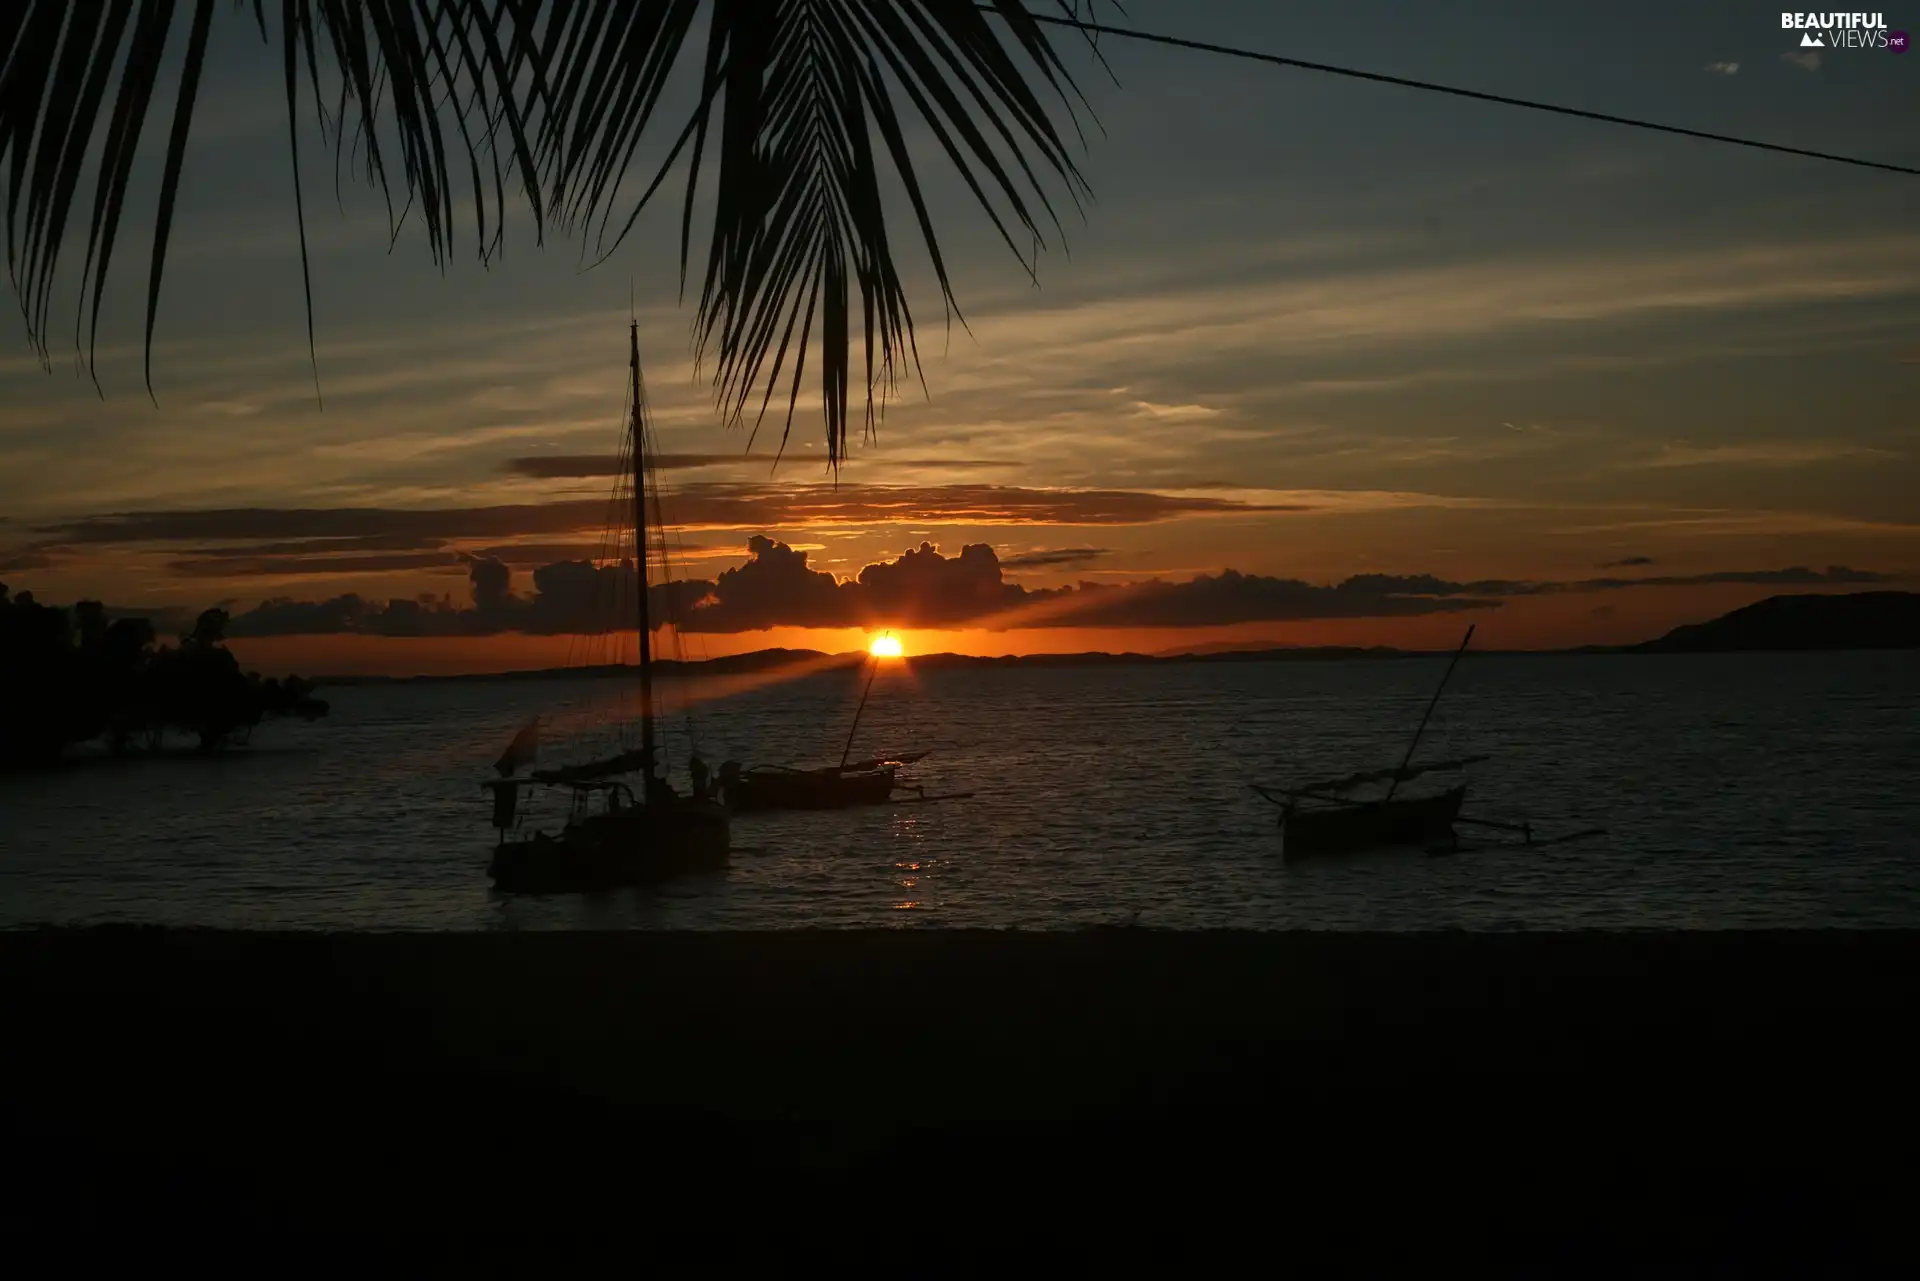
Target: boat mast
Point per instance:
(1408, 758)
(848, 749)
(647, 747)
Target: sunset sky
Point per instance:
(1494, 366)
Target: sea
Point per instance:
(1734, 791)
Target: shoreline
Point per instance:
(1576, 1068)
(814, 662)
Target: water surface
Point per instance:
(1738, 791)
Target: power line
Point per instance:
(1095, 28)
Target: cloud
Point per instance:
(319, 558)
(702, 506)
(323, 546)
(1724, 68)
(1630, 562)
(491, 581)
(309, 566)
(1390, 306)
(1232, 597)
(1171, 413)
(1808, 61)
(1797, 576)
(1779, 453)
(122, 528)
(1050, 556)
(580, 466)
(777, 587)
(14, 562)
(584, 466)
(534, 554)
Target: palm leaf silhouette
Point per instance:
(554, 97)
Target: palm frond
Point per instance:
(561, 93)
(399, 62)
(802, 87)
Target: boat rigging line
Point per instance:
(873, 662)
(1301, 64)
(1435, 702)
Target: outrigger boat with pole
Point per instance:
(613, 837)
(1328, 817)
(869, 782)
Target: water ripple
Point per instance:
(1738, 792)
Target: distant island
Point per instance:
(1858, 620)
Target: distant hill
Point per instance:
(1858, 620)
(761, 660)
(1861, 620)
(1223, 647)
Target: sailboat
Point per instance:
(1332, 817)
(614, 836)
(832, 787)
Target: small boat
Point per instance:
(612, 837)
(780, 787)
(774, 787)
(832, 787)
(1345, 825)
(1332, 817)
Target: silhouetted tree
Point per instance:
(72, 676)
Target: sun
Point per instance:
(887, 646)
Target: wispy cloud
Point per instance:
(702, 506)
(584, 466)
(1172, 413)
(1724, 68)
(1782, 453)
(1482, 297)
(1742, 524)
(1807, 61)
(414, 415)
(1055, 557)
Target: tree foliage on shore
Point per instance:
(71, 676)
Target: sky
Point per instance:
(1321, 361)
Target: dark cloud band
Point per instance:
(776, 587)
(696, 506)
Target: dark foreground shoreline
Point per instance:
(1588, 1087)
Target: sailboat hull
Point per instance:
(638, 846)
(1371, 824)
(825, 789)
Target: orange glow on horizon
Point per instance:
(1545, 622)
(887, 646)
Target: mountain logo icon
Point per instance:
(1811, 41)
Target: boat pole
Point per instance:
(848, 749)
(647, 743)
(1435, 702)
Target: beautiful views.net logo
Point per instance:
(1844, 31)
